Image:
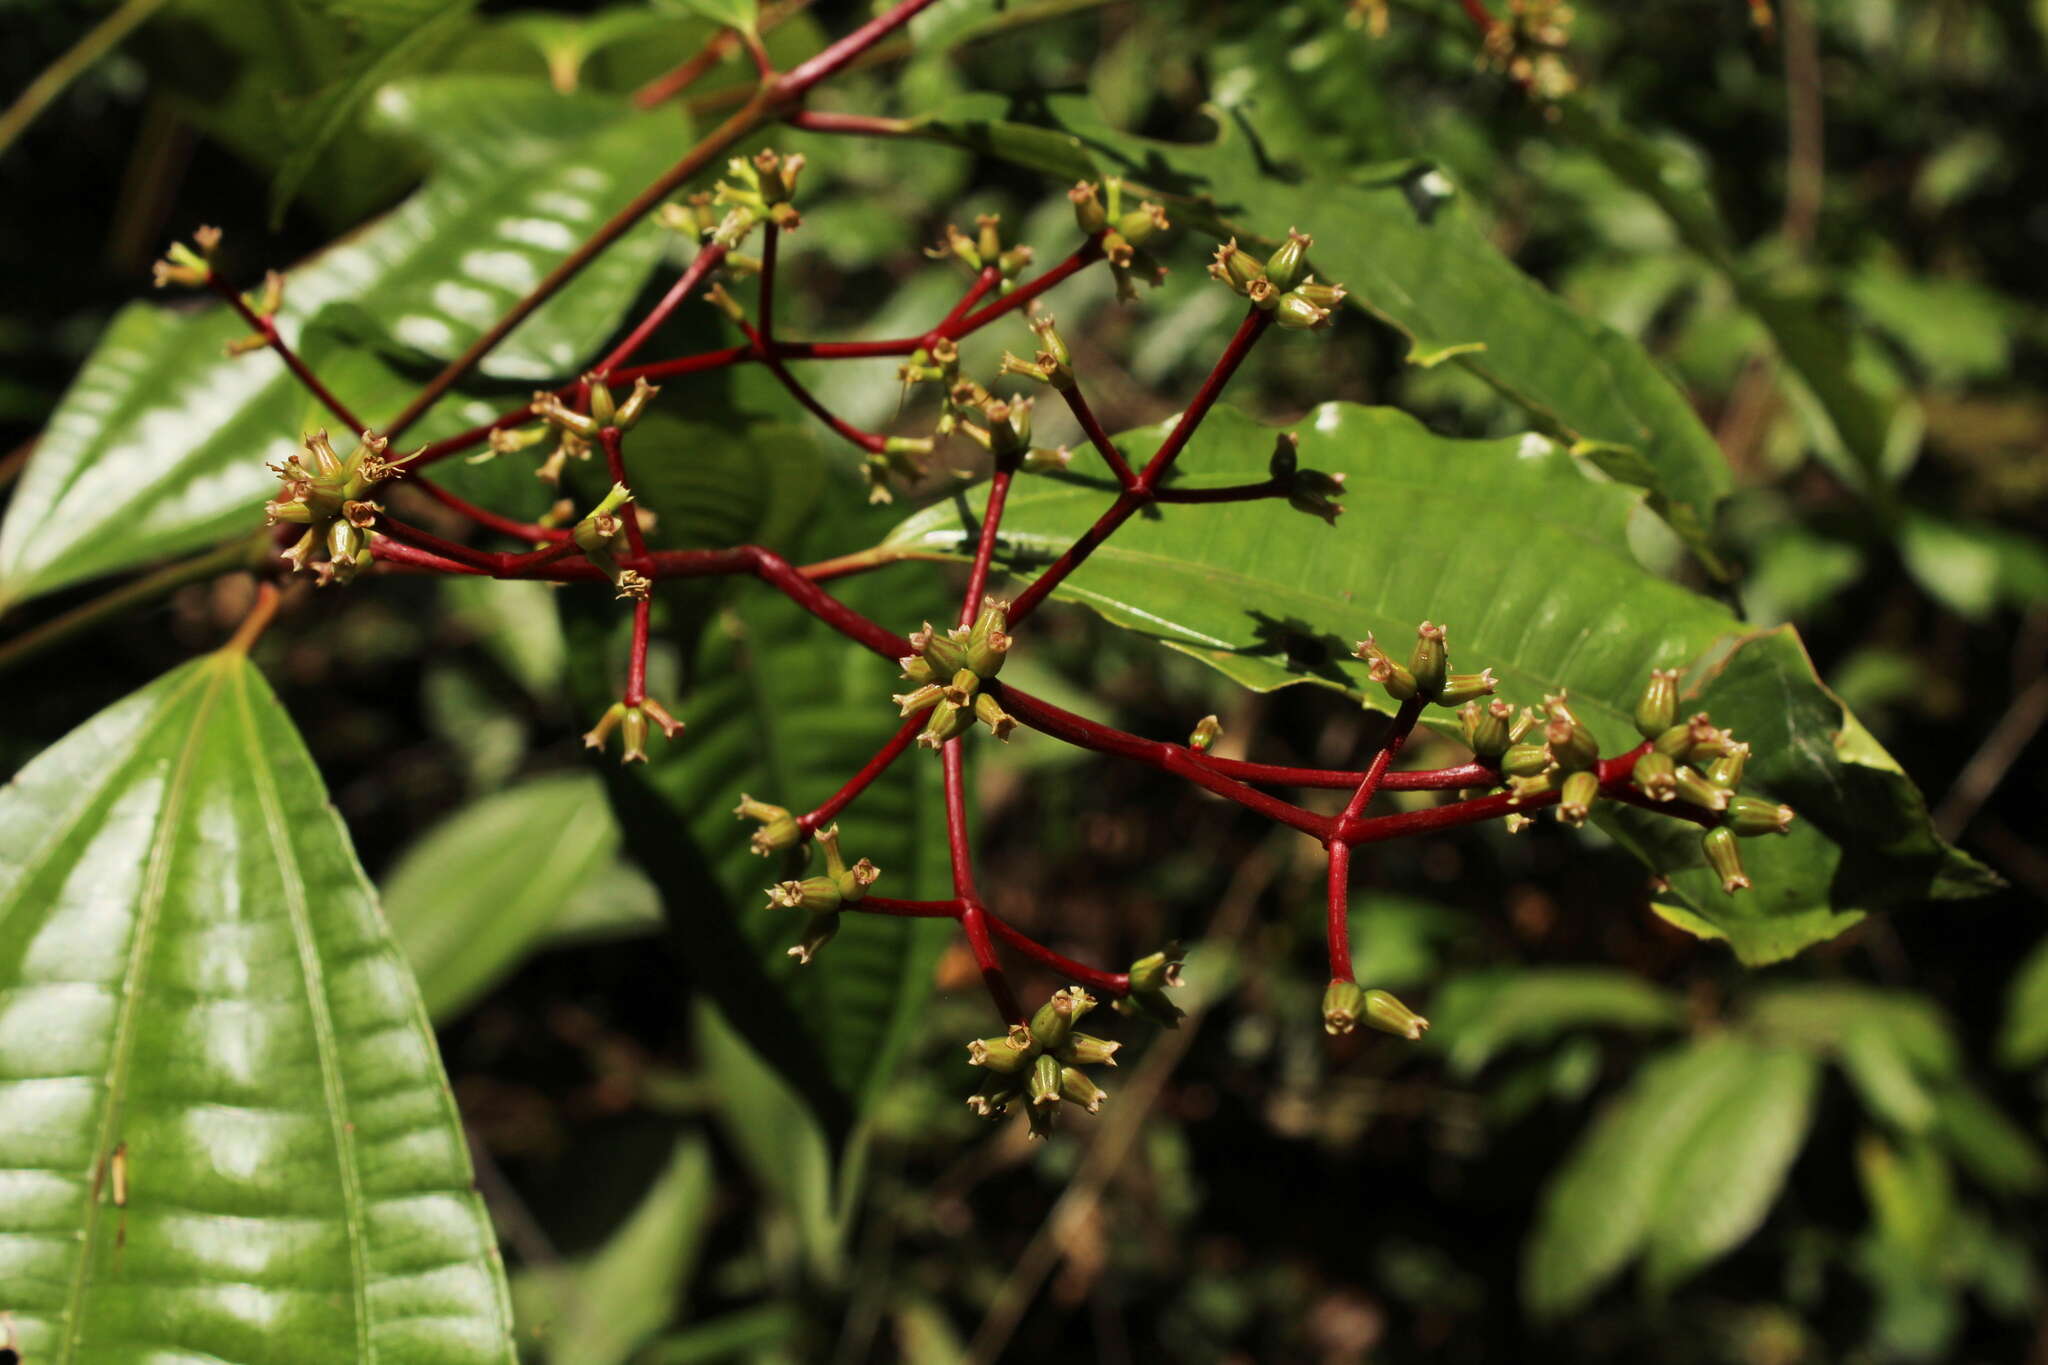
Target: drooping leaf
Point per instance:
(503, 876)
(1599, 1208)
(1987, 1144)
(161, 444)
(1727, 1173)
(602, 1311)
(1527, 561)
(1479, 1015)
(1401, 241)
(225, 1133)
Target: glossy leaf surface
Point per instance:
(161, 443)
(225, 1134)
(1452, 532)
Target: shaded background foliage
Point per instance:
(1285, 1197)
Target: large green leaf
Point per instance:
(1479, 1015)
(161, 443)
(227, 1135)
(504, 875)
(1528, 561)
(1402, 242)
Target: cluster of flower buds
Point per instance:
(1346, 1005)
(822, 896)
(778, 830)
(329, 496)
(1122, 233)
(1307, 490)
(1528, 44)
(631, 722)
(597, 534)
(947, 672)
(184, 265)
(985, 248)
(1278, 285)
(1051, 364)
(1042, 1063)
(575, 432)
(1698, 763)
(1427, 673)
(764, 190)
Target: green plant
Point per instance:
(1508, 540)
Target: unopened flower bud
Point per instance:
(1575, 801)
(1389, 1015)
(779, 829)
(1398, 681)
(1525, 760)
(1692, 787)
(1142, 223)
(1571, 745)
(1343, 1006)
(1206, 732)
(947, 721)
(1088, 211)
(1076, 1088)
(988, 642)
(853, 882)
(1236, 267)
(1284, 266)
(989, 712)
(1046, 460)
(1726, 771)
(1045, 1081)
(1082, 1049)
(943, 652)
(818, 931)
(1725, 858)
(818, 895)
(1750, 816)
(1489, 737)
(993, 1097)
(1657, 708)
(1295, 312)
(1656, 776)
(633, 736)
(1006, 1056)
(635, 406)
(1429, 661)
(1460, 688)
(1326, 296)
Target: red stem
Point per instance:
(1091, 426)
(886, 905)
(1338, 931)
(615, 461)
(764, 351)
(1339, 927)
(1089, 252)
(706, 260)
(636, 658)
(1111, 983)
(985, 547)
(1389, 748)
(864, 125)
(859, 782)
(985, 279)
(266, 326)
(484, 517)
(1236, 492)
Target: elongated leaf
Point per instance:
(1989, 1145)
(1728, 1172)
(486, 887)
(160, 445)
(1527, 561)
(1402, 243)
(225, 1134)
(602, 1311)
(2024, 1040)
(1479, 1015)
(1598, 1210)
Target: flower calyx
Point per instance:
(1150, 978)
(632, 723)
(1346, 1005)
(329, 496)
(824, 895)
(191, 266)
(947, 672)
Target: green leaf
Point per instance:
(161, 443)
(1990, 1146)
(732, 13)
(1401, 240)
(486, 887)
(602, 1311)
(199, 987)
(1271, 597)
(1479, 1015)
(2024, 1040)
(386, 37)
(1599, 1208)
(1727, 1173)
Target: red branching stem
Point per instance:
(1338, 931)
(801, 77)
(265, 326)
(1088, 253)
(485, 517)
(764, 351)
(688, 364)
(389, 551)
(1236, 492)
(615, 460)
(762, 65)
(858, 125)
(673, 82)
(1091, 426)
(1389, 748)
(636, 657)
(480, 561)
(703, 263)
(1111, 983)
(985, 279)
(985, 546)
(1131, 499)
(974, 920)
(845, 350)
(826, 813)
(769, 236)
(1178, 759)
(1473, 774)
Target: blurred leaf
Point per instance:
(516, 623)
(1599, 1207)
(728, 1337)
(199, 986)
(1990, 1146)
(1879, 1071)
(1728, 1172)
(732, 13)
(1910, 1193)
(1270, 597)
(1953, 329)
(602, 1311)
(1395, 939)
(161, 443)
(1476, 1016)
(488, 885)
(1400, 240)
(384, 38)
(1827, 1016)
(2024, 1040)
(1957, 569)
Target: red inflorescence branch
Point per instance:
(991, 296)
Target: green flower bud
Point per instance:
(1236, 267)
(1726, 771)
(948, 721)
(853, 882)
(635, 406)
(994, 1096)
(1581, 790)
(910, 703)
(633, 736)
(988, 642)
(1692, 787)
(1708, 741)
(1490, 735)
(917, 670)
(1343, 1006)
(1525, 760)
(1460, 688)
(1050, 343)
(1040, 1117)
(1055, 1020)
(1205, 734)
(595, 737)
(1322, 295)
(1295, 312)
(1676, 741)
(1429, 661)
(818, 931)
(1142, 223)
(1389, 1015)
(819, 895)
(1398, 681)
(779, 829)
(1045, 1081)
(1076, 1088)
(988, 239)
(602, 408)
(1007, 1056)
(989, 712)
(960, 691)
(1522, 789)
(1725, 858)
(1080, 1049)
(1571, 745)
(944, 653)
(1656, 776)
(1047, 460)
(1753, 815)
(1284, 266)
(1657, 708)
